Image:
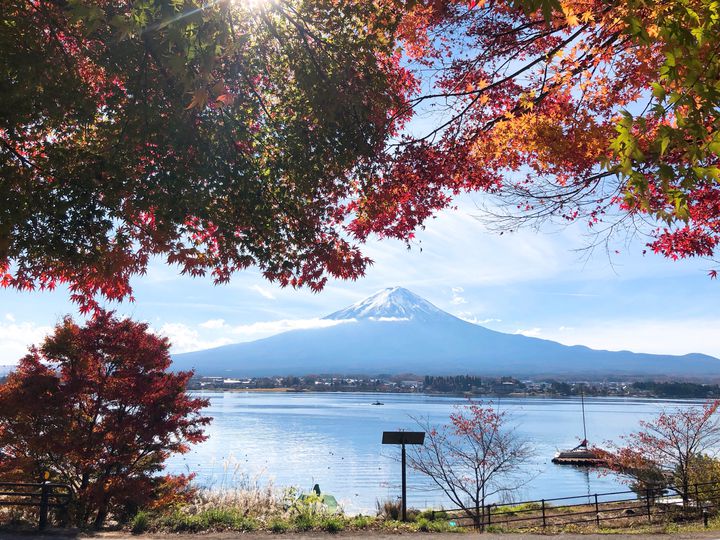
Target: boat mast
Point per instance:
(582, 402)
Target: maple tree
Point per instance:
(670, 448)
(476, 456)
(95, 408)
(274, 132)
(216, 135)
(576, 109)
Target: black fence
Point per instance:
(607, 510)
(43, 496)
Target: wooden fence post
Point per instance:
(543, 513)
(44, 499)
(698, 502)
(489, 511)
(597, 512)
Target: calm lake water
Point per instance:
(333, 439)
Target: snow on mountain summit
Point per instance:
(391, 304)
(420, 338)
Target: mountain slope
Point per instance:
(396, 331)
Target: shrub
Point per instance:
(432, 515)
(217, 518)
(304, 522)
(442, 526)
(413, 514)
(333, 524)
(423, 525)
(177, 522)
(362, 522)
(277, 525)
(512, 509)
(389, 509)
(140, 523)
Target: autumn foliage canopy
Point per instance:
(275, 132)
(599, 111)
(216, 135)
(95, 408)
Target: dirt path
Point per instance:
(357, 536)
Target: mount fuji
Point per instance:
(395, 331)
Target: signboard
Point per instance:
(403, 437)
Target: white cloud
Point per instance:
(183, 338)
(457, 298)
(213, 324)
(263, 329)
(263, 291)
(660, 336)
(17, 337)
(469, 316)
(217, 332)
(530, 332)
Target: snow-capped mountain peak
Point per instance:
(426, 340)
(391, 304)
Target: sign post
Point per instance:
(402, 438)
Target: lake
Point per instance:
(333, 439)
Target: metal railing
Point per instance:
(613, 509)
(44, 496)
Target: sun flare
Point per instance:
(252, 5)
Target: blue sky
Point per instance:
(528, 282)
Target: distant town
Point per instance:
(470, 385)
(460, 385)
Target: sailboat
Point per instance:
(580, 455)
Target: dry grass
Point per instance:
(256, 501)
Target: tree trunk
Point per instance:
(102, 512)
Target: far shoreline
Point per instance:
(448, 394)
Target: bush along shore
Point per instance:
(273, 511)
(263, 509)
(217, 512)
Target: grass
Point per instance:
(433, 515)
(332, 524)
(389, 509)
(251, 508)
(140, 523)
(305, 518)
(513, 509)
(304, 523)
(277, 525)
(238, 511)
(362, 522)
(217, 519)
(248, 499)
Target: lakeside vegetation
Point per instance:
(459, 385)
(472, 385)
